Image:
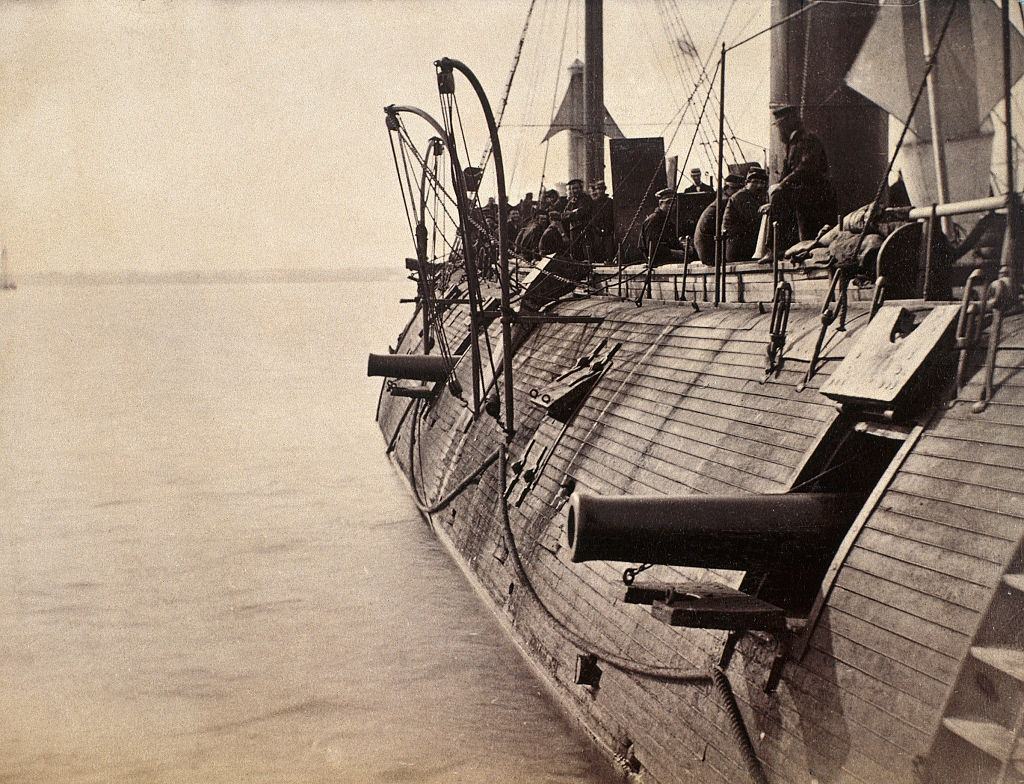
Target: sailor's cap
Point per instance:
(734, 179)
(784, 111)
(598, 184)
(695, 170)
(665, 193)
(757, 174)
(551, 192)
(575, 181)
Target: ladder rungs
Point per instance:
(993, 739)
(1015, 581)
(1005, 660)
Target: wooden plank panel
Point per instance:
(924, 659)
(964, 494)
(948, 563)
(933, 611)
(991, 476)
(885, 615)
(987, 548)
(979, 431)
(954, 514)
(697, 446)
(933, 445)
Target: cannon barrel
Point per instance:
(716, 532)
(412, 367)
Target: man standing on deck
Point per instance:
(742, 218)
(602, 224)
(698, 186)
(576, 220)
(803, 200)
(704, 235)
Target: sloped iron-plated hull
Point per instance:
(686, 408)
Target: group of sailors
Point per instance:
(743, 197)
(580, 227)
(577, 226)
(799, 204)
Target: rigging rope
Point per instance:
(408, 218)
(737, 153)
(508, 85)
(554, 99)
(806, 63)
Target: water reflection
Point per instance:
(210, 573)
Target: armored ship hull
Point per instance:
(892, 661)
(752, 523)
(899, 656)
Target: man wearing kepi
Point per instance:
(704, 235)
(602, 223)
(803, 200)
(576, 220)
(658, 234)
(742, 219)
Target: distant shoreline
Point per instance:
(353, 275)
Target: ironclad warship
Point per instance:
(752, 521)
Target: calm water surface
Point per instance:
(208, 570)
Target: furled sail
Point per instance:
(969, 82)
(968, 85)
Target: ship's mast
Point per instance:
(593, 88)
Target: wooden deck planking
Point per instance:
(965, 494)
(952, 565)
(923, 658)
(952, 512)
(872, 605)
(952, 538)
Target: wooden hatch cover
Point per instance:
(894, 360)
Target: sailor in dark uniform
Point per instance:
(576, 220)
(704, 234)
(698, 186)
(742, 218)
(549, 201)
(528, 240)
(659, 237)
(552, 241)
(602, 224)
(803, 200)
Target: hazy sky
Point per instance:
(215, 135)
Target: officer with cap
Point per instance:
(698, 186)
(602, 223)
(742, 218)
(659, 239)
(704, 235)
(576, 220)
(803, 200)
